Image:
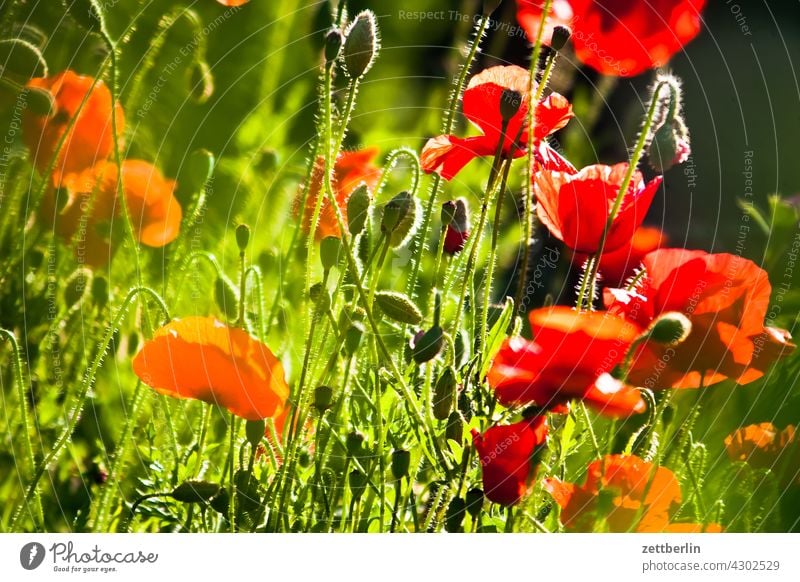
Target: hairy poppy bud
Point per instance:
(358, 483)
(100, 291)
(354, 443)
(454, 516)
(242, 236)
(254, 431)
(195, 491)
(395, 212)
(448, 213)
(323, 397)
(560, 37)
(457, 229)
(510, 102)
(670, 329)
(333, 44)
(429, 345)
(361, 44)
(201, 82)
(401, 462)
(455, 428)
(75, 287)
(358, 209)
(444, 394)
(319, 295)
(329, 249)
(225, 296)
(398, 307)
(474, 501)
(668, 148)
(352, 338)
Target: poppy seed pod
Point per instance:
(429, 345)
(254, 430)
(333, 44)
(352, 338)
(354, 443)
(510, 102)
(454, 516)
(361, 44)
(358, 209)
(195, 491)
(323, 397)
(398, 307)
(401, 462)
(358, 483)
(670, 329)
(329, 250)
(242, 236)
(560, 37)
(474, 501)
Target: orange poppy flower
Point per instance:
(574, 206)
(204, 359)
(570, 356)
(726, 299)
(91, 207)
(765, 447)
(508, 458)
(628, 493)
(618, 265)
(448, 154)
(349, 171)
(90, 140)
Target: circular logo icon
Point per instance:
(31, 555)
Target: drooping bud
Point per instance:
(254, 431)
(454, 516)
(401, 462)
(455, 427)
(670, 329)
(510, 102)
(333, 44)
(457, 230)
(201, 82)
(195, 491)
(329, 251)
(474, 501)
(361, 44)
(429, 345)
(323, 398)
(444, 394)
(225, 296)
(242, 237)
(394, 222)
(669, 143)
(398, 307)
(358, 209)
(352, 338)
(560, 37)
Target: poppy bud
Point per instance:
(333, 44)
(358, 209)
(444, 394)
(225, 296)
(76, 286)
(395, 213)
(22, 58)
(457, 229)
(361, 44)
(474, 501)
(401, 462)
(667, 148)
(195, 491)
(100, 291)
(670, 329)
(429, 345)
(455, 428)
(454, 516)
(254, 431)
(354, 443)
(510, 102)
(242, 236)
(329, 249)
(319, 295)
(448, 213)
(352, 338)
(201, 82)
(358, 483)
(398, 307)
(560, 37)
(323, 397)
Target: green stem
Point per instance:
(231, 472)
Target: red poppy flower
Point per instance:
(349, 171)
(508, 456)
(90, 140)
(86, 219)
(625, 493)
(529, 16)
(448, 154)
(623, 38)
(570, 356)
(575, 206)
(204, 359)
(765, 447)
(726, 299)
(618, 265)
